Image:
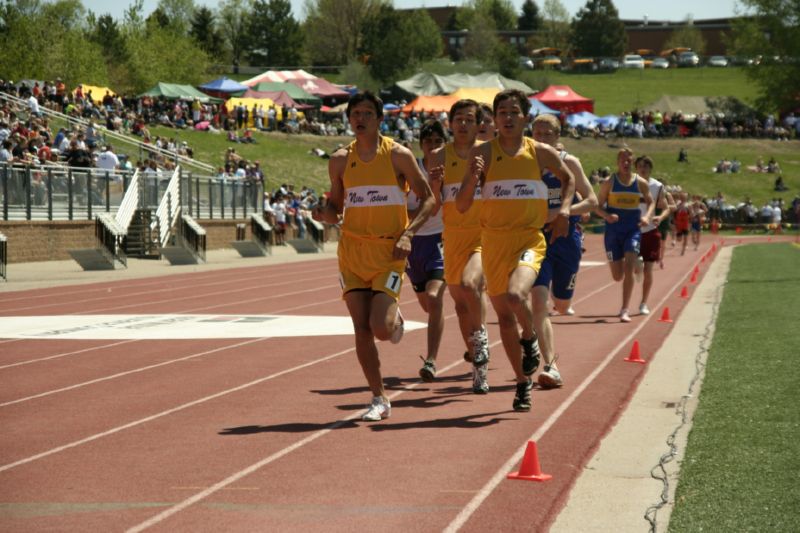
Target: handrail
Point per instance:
(129, 203)
(183, 160)
(109, 235)
(169, 208)
(3, 256)
(193, 237)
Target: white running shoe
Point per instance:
(550, 378)
(570, 311)
(378, 409)
(399, 329)
(480, 382)
(623, 316)
(644, 310)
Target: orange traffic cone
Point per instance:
(684, 292)
(694, 277)
(696, 270)
(530, 470)
(635, 356)
(665, 316)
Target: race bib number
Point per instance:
(393, 282)
(571, 285)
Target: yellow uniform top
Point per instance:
(374, 204)
(454, 170)
(514, 195)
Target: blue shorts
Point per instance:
(696, 226)
(561, 263)
(426, 260)
(622, 240)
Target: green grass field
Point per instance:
(742, 460)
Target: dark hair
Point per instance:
(508, 94)
(461, 104)
(644, 159)
(365, 96)
(431, 128)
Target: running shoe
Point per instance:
(623, 316)
(378, 409)
(570, 311)
(480, 383)
(644, 310)
(522, 399)
(638, 270)
(480, 347)
(428, 370)
(550, 378)
(399, 329)
(530, 355)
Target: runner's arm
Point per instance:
(588, 198)
(476, 170)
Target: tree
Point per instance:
(688, 36)
(333, 28)
(598, 31)
(276, 38)
(555, 25)
(416, 30)
(179, 13)
(234, 24)
(529, 20)
(203, 29)
(107, 34)
(772, 32)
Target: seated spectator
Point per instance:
(683, 156)
(780, 186)
(772, 166)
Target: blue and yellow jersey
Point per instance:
(623, 200)
(514, 195)
(454, 170)
(554, 191)
(374, 204)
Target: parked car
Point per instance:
(607, 64)
(632, 61)
(717, 61)
(526, 62)
(688, 59)
(660, 62)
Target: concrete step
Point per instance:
(304, 246)
(250, 248)
(178, 255)
(94, 259)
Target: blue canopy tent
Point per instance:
(223, 87)
(584, 119)
(608, 122)
(538, 108)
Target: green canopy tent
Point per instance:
(174, 91)
(296, 93)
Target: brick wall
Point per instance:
(30, 241)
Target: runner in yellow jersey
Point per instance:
(513, 211)
(462, 238)
(369, 181)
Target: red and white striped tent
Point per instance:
(308, 82)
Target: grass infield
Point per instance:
(743, 453)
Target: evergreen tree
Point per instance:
(529, 20)
(598, 31)
(203, 30)
(275, 36)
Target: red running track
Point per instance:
(264, 433)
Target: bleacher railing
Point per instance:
(129, 203)
(56, 192)
(193, 236)
(143, 148)
(3, 257)
(169, 208)
(109, 236)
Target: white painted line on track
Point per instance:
(156, 416)
(233, 478)
(501, 474)
(59, 355)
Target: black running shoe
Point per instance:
(522, 399)
(428, 371)
(530, 355)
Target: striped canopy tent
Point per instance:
(315, 85)
(279, 98)
(295, 93)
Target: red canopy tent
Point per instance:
(319, 87)
(563, 98)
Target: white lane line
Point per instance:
(233, 478)
(58, 355)
(501, 474)
(129, 372)
(156, 416)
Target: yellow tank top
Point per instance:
(454, 170)
(514, 195)
(374, 204)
